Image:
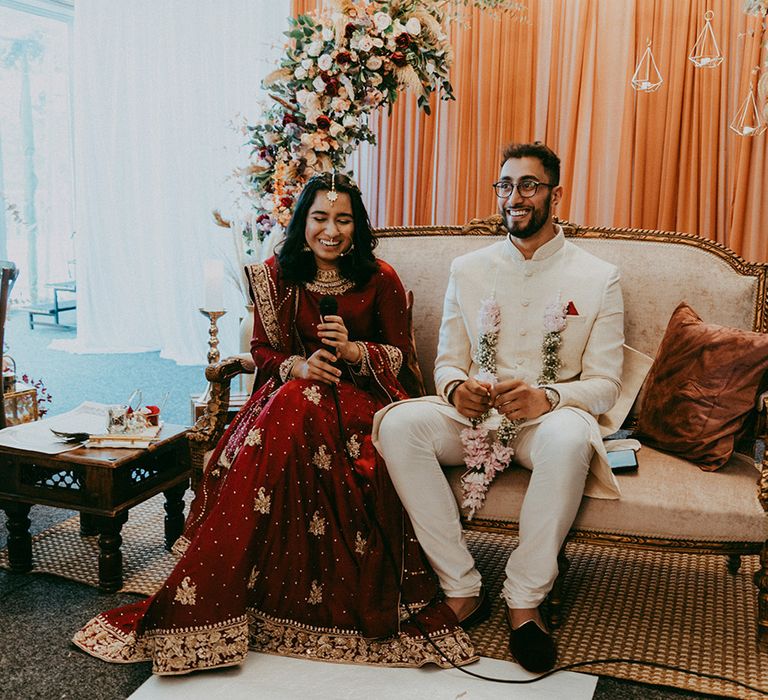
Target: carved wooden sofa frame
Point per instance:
(659, 269)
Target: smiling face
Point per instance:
(330, 228)
(528, 217)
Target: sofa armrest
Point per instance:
(762, 434)
(209, 428)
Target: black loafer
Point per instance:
(480, 613)
(533, 648)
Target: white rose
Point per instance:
(324, 62)
(300, 73)
(319, 84)
(307, 63)
(366, 44)
(315, 48)
(327, 33)
(311, 116)
(382, 20)
(374, 63)
(430, 67)
(398, 27)
(378, 43)
(376, 79)
(311, 157)
(335, 129)
(349, 121)
(302, 95)
(413, 26)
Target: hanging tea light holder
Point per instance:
(705, 52)
(748, 121)
(647, 77)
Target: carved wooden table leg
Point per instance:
(174, 513)
(19, 539)
(110, 556)
(87, 525)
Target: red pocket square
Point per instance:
(571, 310)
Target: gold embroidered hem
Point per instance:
(329, 282)
(274, 637)
(172, 652)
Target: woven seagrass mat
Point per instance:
(681, 610)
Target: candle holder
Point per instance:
(213, 334)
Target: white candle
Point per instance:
(747, 130)
(213, 276)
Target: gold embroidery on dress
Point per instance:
(253, 437)
(252, 578)
(329, 282)
(321, 459)
(360, 543)
(286, 366)
(224, 461)
(261, 284)
(317, 526)
(312, 393)
(316, 594)
(395, 357)
(186, 592)
(353, 447)
(271, 635)
(262, 503)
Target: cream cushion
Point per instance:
(666, 497)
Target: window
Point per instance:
(36, 154)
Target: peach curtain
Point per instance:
(653, 160)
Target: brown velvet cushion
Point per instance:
(701, 388)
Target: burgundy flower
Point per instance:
(288, 119)
(343, 57)
(349, 30)
(403, 40)
(269, 186)
(398, 58)
(286, 201)
(332, 87)
(263, 219)
(323, 122)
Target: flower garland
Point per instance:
(485, 459)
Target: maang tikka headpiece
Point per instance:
(331, 194)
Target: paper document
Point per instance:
(89, 417)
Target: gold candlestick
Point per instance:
(213, 334)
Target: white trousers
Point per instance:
(416, 438)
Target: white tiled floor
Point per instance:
(280, 678)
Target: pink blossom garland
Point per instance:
(485, 459)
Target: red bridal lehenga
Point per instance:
(296, 542)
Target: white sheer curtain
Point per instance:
(156, 86)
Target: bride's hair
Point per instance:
(297, 264)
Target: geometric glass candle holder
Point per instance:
(705, 52)
(748, 121)
(647, 77)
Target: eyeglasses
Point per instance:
(527, 187)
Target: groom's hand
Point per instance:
(472, 398)
(517, 400)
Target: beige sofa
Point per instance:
(669, 504)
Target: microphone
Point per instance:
(329, 306)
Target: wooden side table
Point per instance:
(103, 484)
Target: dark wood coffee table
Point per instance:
(103, 484)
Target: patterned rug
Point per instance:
(675, 609)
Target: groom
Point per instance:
(530, 273)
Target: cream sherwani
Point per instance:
(563, 448)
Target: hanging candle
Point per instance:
(705, 52)
(647, 77)
(748, 121)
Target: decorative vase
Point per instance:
(246, 333)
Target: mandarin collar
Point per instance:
(546, 251)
